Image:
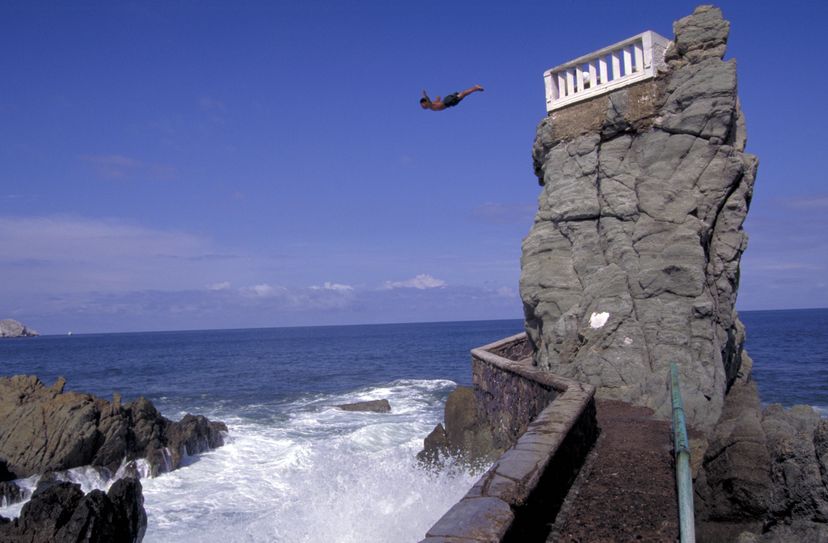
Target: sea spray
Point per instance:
(305, 471)
(319, 474)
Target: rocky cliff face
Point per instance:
(633, 263)
(633, 259)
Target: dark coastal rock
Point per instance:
(633, 260)
(47, 512)
(48, 480)
(435, 445)
(764, 471)
(10, 493)
(374, 406)
(12, 328)
(192, 435)
(45, 429)
(465, 435)
(5, 474)
(60, 513)
(128, 500)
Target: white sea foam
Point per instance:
(313, 474)
(27, 485)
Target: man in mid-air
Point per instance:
(449, 101)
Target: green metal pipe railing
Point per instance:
(681, 448)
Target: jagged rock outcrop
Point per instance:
(46, 429)
(765, 471)
(12, 328)
(61, 513)
(633, 260)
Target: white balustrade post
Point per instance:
(616, 66)
(602, 68)
(639, 57)
(627, 61)
(549, 84)
(593, 75)
(647, 43)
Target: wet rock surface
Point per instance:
(10, 493)
(373, 406)
(46, 429)
(465, 436)
(61, 513)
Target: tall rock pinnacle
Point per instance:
(633, 259)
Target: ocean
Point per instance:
(789, 349)
(296, 468)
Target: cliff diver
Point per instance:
(449, 101)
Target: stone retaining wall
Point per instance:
(553, 422)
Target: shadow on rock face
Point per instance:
(61, 513)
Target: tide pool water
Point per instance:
(297, 469)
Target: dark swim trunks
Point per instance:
(451, 100)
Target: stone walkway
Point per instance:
(626, 489)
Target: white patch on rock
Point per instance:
(627, 341)
(598, 320)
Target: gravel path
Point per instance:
(626, 490)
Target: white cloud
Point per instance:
(262, 290)
(223, 285)
(259, 305)
(60, 254)
(338, 287)
(422, 281)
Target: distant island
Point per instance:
(12, 328)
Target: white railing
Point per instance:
(618, 65)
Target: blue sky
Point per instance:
(179, 165)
